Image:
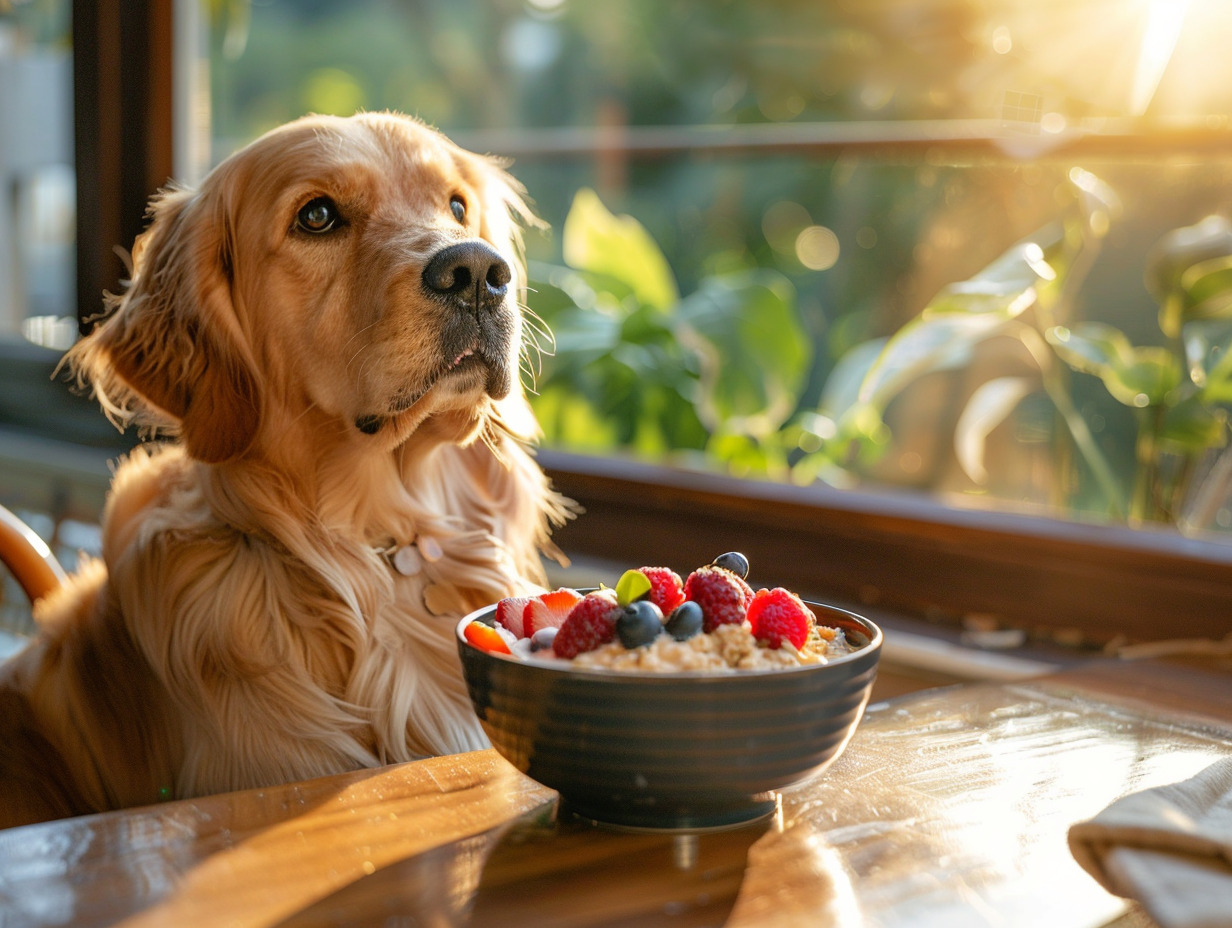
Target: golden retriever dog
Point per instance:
(330, 328)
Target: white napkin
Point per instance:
(1169, 848)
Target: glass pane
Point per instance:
(37, 193)
(911, 244)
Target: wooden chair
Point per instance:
(28, 558)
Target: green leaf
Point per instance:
(842, 388)
(1007, 284)
(1206, 289)
(1172, 270)
(572, 421)
(1136, 377)
(632, 586)
(599, 242)
(922, 346)
(740, 454)
(1003, 298)
(861, 439)
(964, 314)
(990, 404)
(753, 352)
(1181, 249)
(1192, 426)
(581, 335)
(1090, 347)
(1098, 200)
(1208, 357)
(1147, 380)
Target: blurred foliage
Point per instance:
(637, 365)
(1180, 391)
(34, 24)
(721, 369)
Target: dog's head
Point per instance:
(364, 273)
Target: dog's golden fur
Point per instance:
(245, 625)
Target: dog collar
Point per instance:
(408, 559)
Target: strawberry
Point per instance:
(591, 622)
(548, 610)
(723, 596)
(666, 590)
(509, 614)
(778, 615)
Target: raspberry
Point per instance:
(666, 590)
(723, 596)
(591, 622)
(778, 615)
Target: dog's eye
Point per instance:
(318, 215)
(458, 206)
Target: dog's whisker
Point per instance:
(529, 365)
(539, 328)
(533, 350)
(307, 409)
(533, 355)
(351, 359)
(359, 333)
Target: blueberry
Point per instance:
(734, 561)
(542, 639)
(685, 620)
(639, 623)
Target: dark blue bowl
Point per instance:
(672, 750)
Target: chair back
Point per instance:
(28, 557)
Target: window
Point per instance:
(37, 184)
(853, 160)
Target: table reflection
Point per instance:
(552, 868)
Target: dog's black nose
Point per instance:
(470, 275)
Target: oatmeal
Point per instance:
(653, 622)
(728, 647)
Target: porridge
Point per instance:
(653, 621)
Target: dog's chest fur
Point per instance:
(343, 633)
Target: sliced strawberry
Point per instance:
(509, 614)
(548, 610)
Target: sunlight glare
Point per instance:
(1159, 38)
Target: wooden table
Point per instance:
(949, 808)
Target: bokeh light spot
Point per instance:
(817, 248)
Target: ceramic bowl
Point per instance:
(682, 750)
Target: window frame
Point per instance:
(1066, 581)
(123, 78)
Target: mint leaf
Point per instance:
(631, 586)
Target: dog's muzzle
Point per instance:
(471, 280)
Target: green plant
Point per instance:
(638, 365)
(1023, 295)
(720, 372)
(1179, 390)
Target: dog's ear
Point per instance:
(173, 341)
